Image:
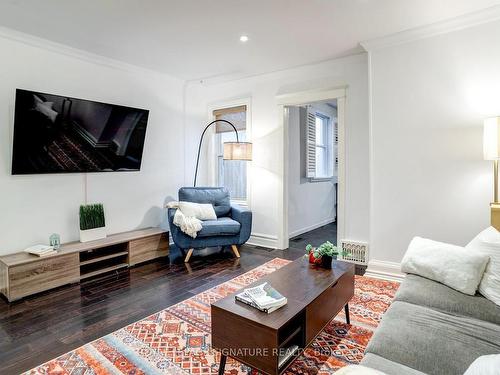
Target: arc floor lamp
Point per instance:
(232, 150)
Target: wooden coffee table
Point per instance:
(315, 296)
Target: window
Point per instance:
(321, 145)
(324, 149)
(232, 174)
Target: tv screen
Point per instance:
(60, 134)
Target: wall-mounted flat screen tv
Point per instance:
(60, 134)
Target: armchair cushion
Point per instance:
(224, 226)
(216, 196)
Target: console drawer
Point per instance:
(35, 277)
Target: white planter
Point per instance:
(92, 234)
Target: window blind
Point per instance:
(310, 143)
(236, 115)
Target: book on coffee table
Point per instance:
(262, 297)
(244, 298)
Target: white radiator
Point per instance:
(356, 252)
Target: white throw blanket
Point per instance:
(188, 224)
(451, 265)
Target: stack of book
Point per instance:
(41, 250)
(263, 297)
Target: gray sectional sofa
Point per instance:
(433, 329)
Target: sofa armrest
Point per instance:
(182, 240)
(244, 217)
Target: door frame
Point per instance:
(303, 98)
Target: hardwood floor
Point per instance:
(316, 237)
(39, 328)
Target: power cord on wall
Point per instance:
(85, 188)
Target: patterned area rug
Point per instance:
(177, 340)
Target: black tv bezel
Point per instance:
(13, 173)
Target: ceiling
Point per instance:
(194, 39)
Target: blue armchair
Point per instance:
(232, 227)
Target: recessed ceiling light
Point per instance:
(244, 38)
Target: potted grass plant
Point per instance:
(323, 254)
(92, 223)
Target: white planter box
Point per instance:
(92, 234)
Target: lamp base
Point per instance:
(495, 215)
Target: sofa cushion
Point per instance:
(217, 196)
(386, 366)
(421, 291)
(451, 265)
(223, 226)
(485, 365)
(488, 242)
(201, 211)
(432, 341)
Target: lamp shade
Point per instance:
(237, 151)
(491, 138)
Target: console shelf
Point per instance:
(102, 270)
(23, 274)
(99, 259)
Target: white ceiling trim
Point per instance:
(454, 24)
(66, 50)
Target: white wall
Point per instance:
(310, 204)
(266, 169)
(33, 207)
(429, 100)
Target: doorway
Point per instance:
(313, 183)
(312, 173)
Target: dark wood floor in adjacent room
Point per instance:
(39, 328)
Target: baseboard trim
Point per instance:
(310, 228)
(264, 240)
(381, 269)
(256, 239)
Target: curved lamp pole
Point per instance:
(232, 150)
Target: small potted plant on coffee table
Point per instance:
(323, 254)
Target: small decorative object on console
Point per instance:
(92, 222)
(323, 254)
(55, 241)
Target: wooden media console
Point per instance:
(23, 274)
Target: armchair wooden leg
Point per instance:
(188, 256)
(235, 251)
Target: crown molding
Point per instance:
(355, 54)
(63, 49)
(442, 27)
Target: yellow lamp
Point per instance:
(491, 149)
